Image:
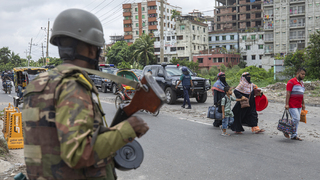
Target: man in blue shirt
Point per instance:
(185, 78)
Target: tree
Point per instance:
(144, 50)
(242, 64)
(119, 52)
(313, 57)
(175, 14)
(293, 62)
(8, 59)
(194, 66)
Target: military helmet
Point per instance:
(184, 69)
(78, 24)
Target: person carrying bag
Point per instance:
(286, 125)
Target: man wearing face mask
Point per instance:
(245, 116)
(295, 101)
(218, 93)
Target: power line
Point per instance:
(98, 5)
(125, 1)
(104, 7)
(89, 4)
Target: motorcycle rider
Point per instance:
(5, 77)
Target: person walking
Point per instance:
(64, 134)
(245, 116)
(218, 93)
(227, 114)
(185, 78)
(295, 100)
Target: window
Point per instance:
(194, 37)
(137, 32)
(168, 38)
(217, 38)
(232, 37)
(253, 57)
(253, 37)
(224, 37)
(226, 59)
(214, 60)
(173, 37)
(143, 32)
(231, 46)
(192, 27)
(210, 38)
(136, 9)
(167, 10)
(244, 57)
(156, 49)
(200, 60)
(167, 17)
(182, 27)
(261, 36)
(247, 47)
(260, 57)
(244, 37)
(142, 9)
(194, 47)
(179, 37)
(127, 17)
(173, 49)
(220, 59)
(137, 24)
(204, 30)
(225, 46)
(210, 47)
(165, 59)
(143, 24)
(143, 16)
(180, 48)
(137, 17)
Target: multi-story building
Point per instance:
(237, 14)
(192, 37)
(116, 38)
(226, 39)
(288, 25)
(252, 47)
(144, 18)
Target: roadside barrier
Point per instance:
(13, 132)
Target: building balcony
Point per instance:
(297, 13)
(127, 29)
(297, 25)
(151, 19)
(297, 1)
(267, 3)
(127, 21)
(127, 37)
(152, 27)
(152, 11)
(297, 38)
(126, 14)
(152, 3)
(126, 6)
(268, 40)
(268, 28)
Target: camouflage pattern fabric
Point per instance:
(60, 119)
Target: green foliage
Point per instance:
(119, 52)
(144, 50)
(213, 71)
(293, 62)
(124, 65)
(242, 64)
(223, 68)
(55, 61)
(175, 14)
(204, 72)
(313, 61)
(194, 66)
(8, 59)
(136, 65)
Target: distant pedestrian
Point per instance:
(185, 78)
(218, 93)
(227, 114)
(295, 101)
(245, 116)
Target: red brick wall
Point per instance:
(209, 63)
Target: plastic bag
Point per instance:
(303, 116)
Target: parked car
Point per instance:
(167, 76)
(105, 84)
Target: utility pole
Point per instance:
(47, 53)
(42, 53)
(161, 32)
(30, 53)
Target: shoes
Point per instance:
(182, 106)
(286, 135)
(296, 138)
(188, 107)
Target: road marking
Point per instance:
(192, 120)
(9, 95)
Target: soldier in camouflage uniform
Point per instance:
(61, 118)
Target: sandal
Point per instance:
(259, 131)
(238, 132)
(296, 138)
(286, 135)
(225, 134)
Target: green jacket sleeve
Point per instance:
(74, 121)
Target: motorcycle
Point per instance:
(7, 86)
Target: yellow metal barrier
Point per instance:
(13, 128)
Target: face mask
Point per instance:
(248, 79)
(222, 79)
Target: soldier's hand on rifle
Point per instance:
(138, 125)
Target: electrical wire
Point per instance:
(98, 5)
(89, 4)
(104, 7)
(125, 1)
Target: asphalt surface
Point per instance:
(176, 147)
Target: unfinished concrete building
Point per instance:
(237, 14)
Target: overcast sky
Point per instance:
(21, 20)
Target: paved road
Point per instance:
(179, 149)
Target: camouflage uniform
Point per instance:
(60, 118)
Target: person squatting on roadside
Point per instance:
(227, 114)
(218, 93)
(245, 116)
(185, 78)
(62, 121)
(295, 100)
